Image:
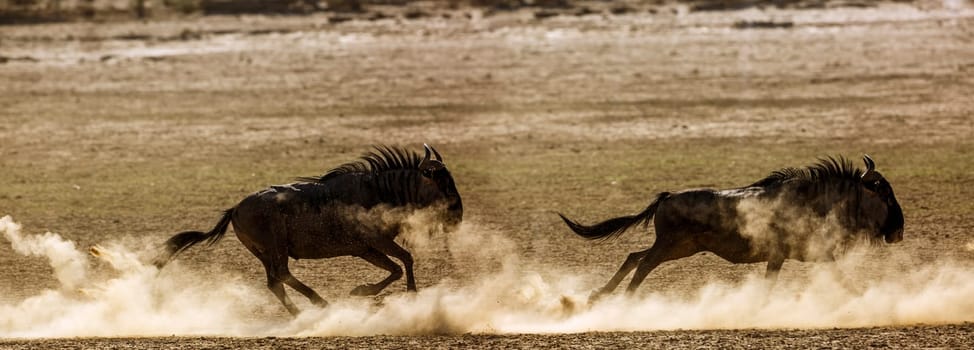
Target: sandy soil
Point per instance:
(925, 337)
(129, 132)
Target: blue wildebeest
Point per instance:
(356, 209)
(806, 214)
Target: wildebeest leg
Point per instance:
(274, 258)
(303, 289)
(660, 252)
(391, 248)
(631, 262)
(840, 277)
(276, 284)
(774, 266)
(381, 260)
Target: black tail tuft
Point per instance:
(615, 226)
(182, 241)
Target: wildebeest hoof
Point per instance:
(320, 303)
(595, 296)
(365, 290)
(293, 310)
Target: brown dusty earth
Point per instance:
(134, 131)
(926, 337)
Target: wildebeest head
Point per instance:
(435, 171)
(879, 205)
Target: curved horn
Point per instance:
(427, 157)
(870, 165)
(437, 154)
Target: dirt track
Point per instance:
(108, 138)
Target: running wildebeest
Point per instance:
(802, 214)
(356, 209)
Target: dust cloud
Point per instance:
(136, 299)
(769, 223)
(416, 227)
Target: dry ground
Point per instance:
(106, 136)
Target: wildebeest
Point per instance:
(356, 209)
(806, 214)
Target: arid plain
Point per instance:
(120, 135)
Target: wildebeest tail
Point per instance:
(184, 240)
(615, 226)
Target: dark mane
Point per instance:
(384, 158)
(827, 170)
